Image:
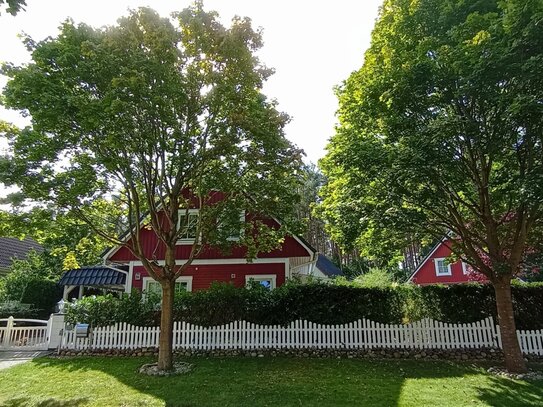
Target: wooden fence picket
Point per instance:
(362, 333)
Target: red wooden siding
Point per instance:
(203, 275)
(155, 249)
(426, 273)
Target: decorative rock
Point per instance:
(151, 369)
(531, 375)
(381, 353)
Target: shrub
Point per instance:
(28, 282)
(17, 310)
(375, 278)
(317, 302)
(108, 309)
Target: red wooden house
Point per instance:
(435, 268)
(122, 271)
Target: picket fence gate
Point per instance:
(424, 334)
(23, 334)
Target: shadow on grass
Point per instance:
(25, 401)
(289, 382)
(505, 392)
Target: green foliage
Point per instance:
(13, 6)
(108, 309)
(64, 236)
(463, 303)
(32, 281)
(17, 309)
(375, 278)
(340, 303)
(440, 131)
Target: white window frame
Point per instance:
(436, 266)
(183, 279)
(261, 277)
(182, 213)
(238, 237)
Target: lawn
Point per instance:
(261, 382)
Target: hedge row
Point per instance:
(321, 303)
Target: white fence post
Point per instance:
(55, 325)
(7, 333)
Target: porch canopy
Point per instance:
(102, 277)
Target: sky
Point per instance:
(312, 45)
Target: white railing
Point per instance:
(17, 337)
(424, 334)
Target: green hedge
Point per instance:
(317, 302)
(464, 303)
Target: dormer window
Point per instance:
(442, 266)
(188, 225)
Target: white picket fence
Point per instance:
(18, 334)
(424, 334)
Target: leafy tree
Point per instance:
(441, 132)
(13, 6)
(164, 114)
(59, 231)
(31, 280)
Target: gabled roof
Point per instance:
(95, 276)
(110, 251)
(426, 258)
(327, 267)
(13, 248)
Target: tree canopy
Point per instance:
(12, 6)
(441, 133)
(162, 114)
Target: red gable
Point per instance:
(434, 269)
(154, 248)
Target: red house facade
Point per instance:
(436, 269)
(272, 269)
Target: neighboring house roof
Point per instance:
(327, 267)
(426, 258)
(13, 248)
(430, 272)
(95, 276)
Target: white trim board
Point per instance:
(202, 262)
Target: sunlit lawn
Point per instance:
(261, 382)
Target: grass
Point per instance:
(49, 382)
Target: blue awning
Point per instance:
(95, 276)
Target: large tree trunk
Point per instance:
(165, 351)
(514, 361)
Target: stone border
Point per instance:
(151, 369)
(490, 354)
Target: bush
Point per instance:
(17, 310)
(464, 303)
(29, 282)
(108, 309)
(317, 302)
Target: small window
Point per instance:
(181, 285)
(235, 233)
(443, 268)
(188, 225)
(266, 280)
